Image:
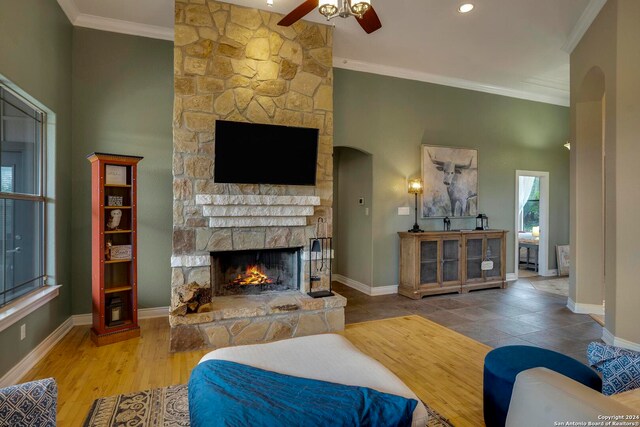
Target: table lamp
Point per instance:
(415, 188)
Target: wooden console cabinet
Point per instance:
(439, 262)
(114, 247)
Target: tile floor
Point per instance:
(519, 314)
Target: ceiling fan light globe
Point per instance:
(328, 8)
(360, 7)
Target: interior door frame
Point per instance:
(543, 244)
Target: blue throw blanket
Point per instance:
(223, 393)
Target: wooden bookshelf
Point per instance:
(114, 281)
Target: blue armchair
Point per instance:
(29, 404)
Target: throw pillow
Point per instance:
(620, 368)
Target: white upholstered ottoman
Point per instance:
(327, 357)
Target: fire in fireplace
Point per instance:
(253, 277)
(255, 271)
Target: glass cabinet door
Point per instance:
(428, 261)
(474, 258)
(450, 260)
(494, 253)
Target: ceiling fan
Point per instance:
(359, 9)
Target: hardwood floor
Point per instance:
(85, 372)
(443, 367)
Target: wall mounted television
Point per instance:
(249, 153)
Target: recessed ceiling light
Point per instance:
(465, 8)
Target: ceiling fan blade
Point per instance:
(299, 12)
(370, 21)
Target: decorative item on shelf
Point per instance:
(114, 200)
(487, 264)
(120, 252)
(107, 251)
(113, 222)
(535, 232)
(482, 222)
(415, 188)
(447, 223)
(115, 175)
(114, 310)
(320, 249)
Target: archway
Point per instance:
(352, 217)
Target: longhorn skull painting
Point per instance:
(450, 177)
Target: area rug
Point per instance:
(166, 407)
(559, 286)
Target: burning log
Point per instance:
(253, 277)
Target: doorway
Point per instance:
(532, 224)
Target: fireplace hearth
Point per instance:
(251, 272)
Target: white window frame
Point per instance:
(28, 303)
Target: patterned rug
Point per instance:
(166, 407)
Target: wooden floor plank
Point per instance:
(443, 367)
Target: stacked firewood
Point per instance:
(190, 298)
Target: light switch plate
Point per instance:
(404, 210)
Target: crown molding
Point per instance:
(70, 9)
(584, 22)
(114, 25)
(403, 73)
(124, 27)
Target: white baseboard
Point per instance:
(143, 313)
(580, 308)
(611, 339)
(16, 373)
(511, 277)
(383, 290)
(364, 288)
(549, 273)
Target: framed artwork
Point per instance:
(450, 177)
(563, 257)
(115, 175)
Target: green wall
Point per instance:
(35, 55)
(122, 103)
(390, 118)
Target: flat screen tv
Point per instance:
(249, 153)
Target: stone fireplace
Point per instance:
(236, 64)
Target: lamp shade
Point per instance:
(360, 7)
(328, 7)
(415, 186)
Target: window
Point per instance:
(531, 211)
(22, 199)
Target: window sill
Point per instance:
(26, 305)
